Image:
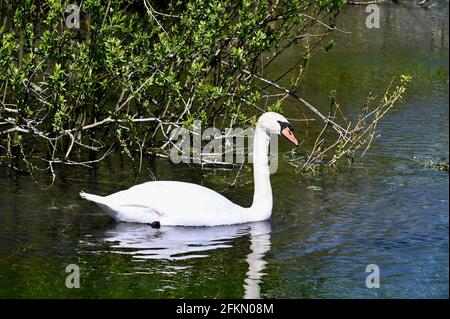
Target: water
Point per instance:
(388, 210)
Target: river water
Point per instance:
(388, 210)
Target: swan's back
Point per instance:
(172, 203)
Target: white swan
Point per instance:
(185, 204)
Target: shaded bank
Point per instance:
(136, 69)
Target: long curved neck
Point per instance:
(262, 198)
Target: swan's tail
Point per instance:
(102, 202)
(93, 198)
(124, 212)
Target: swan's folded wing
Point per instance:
(140, 207)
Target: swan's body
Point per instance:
(185, 204)
(173, 203)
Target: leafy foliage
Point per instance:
(162, 63)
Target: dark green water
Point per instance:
(388, 210)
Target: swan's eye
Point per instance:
(283, 125)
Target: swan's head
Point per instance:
(274, 123)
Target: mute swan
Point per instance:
(185, 204)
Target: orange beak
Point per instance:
(286, 132)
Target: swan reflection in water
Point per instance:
(177, 243)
